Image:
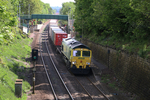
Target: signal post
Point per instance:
(34, 59)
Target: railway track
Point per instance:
(98, 89)
(100, 95)
(91, 89)
(59, 89)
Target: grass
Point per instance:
(7, 83)
(10, 68)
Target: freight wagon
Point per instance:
(57, 35)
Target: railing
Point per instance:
(44, 16)
(25, 16)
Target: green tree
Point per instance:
(128, 19)
(31, 6)
(68, 8)
(35, 7)
(9, 9)
(142, 23)
(8, 20)
(83, 14)
(46, 9)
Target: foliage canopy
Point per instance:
(127, 19)
(9, 12)
(68, 8)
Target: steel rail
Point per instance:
(98, 89)
(58, 72)
(47, 74)
(84, 88)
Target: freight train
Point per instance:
(76, 55)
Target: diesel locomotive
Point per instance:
(76, 55)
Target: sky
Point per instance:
(54, 3)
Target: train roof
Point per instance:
(59, 32)
(55, 27)
(74, 43)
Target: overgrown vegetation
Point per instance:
(11, 9)
(122, 24)
(13, 66)
(14, 45)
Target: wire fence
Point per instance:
(132, 71)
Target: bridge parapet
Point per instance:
(44, 16)
(28, 17)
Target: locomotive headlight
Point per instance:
(74, 62)
(87, 63)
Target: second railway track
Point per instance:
(57, 84)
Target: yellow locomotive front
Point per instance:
(77, 56)
(81, 60)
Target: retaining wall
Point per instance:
(132, 71)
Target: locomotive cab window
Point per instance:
(76, 53)
(86, 53)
